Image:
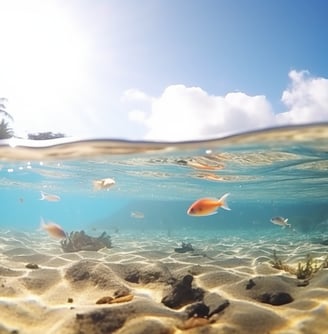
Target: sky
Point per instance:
(163, 69)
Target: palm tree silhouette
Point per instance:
(3, 108)
(5, 130)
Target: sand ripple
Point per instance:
(60, 295)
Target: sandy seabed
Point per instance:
(232, 285)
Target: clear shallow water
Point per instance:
(280, 172)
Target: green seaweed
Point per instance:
(304, 271)
(278, 264)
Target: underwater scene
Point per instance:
(220, 236)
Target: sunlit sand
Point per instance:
(60, 295)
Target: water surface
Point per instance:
(278, 172)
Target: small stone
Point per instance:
(133, 276)
(32, 266)
(69, 300)
(276, 298)
(184, 248)
(121, 292)
(183, 293)
(197, 310)
(215, 303)
(250, 284)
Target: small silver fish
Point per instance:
(103, 184)
(49, 197)
(281, 221)
(137, 215)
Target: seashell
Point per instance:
(104, 300)
(121, 299)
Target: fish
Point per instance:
(281, 221)
(54, 230)
(49, 197)
(208, 206)
(137, 215)
(103, 184)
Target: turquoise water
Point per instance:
(280, 172)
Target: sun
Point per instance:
(43, 57)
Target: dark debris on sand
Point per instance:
(203, 304)
(182, 293)
(276, 298)
(212, 304)
(79, 240)
(250, 284)
(273, 290)
(32, 266)
(185, 247)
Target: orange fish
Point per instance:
(208, 206)
(54, 230)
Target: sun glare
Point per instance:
(43, 56)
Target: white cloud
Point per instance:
(306, 99)
(183, 113)
(190, 113)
